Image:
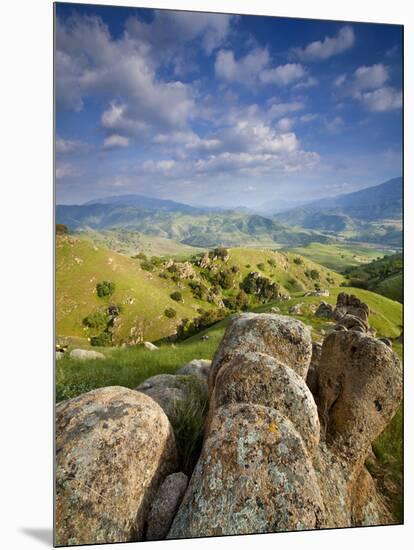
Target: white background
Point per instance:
(26, 272)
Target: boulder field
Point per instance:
(288, 430)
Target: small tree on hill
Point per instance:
(170, 313)
(105, 288)
(176, 296)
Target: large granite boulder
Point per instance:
(265, 464)
(257, 378)
(352, 305)
(325, 310)
(254, 475)
(279, 336)
(114, 447)
(359, 389)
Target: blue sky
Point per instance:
(215, 109)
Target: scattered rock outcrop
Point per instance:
(289, 428)
(267, 464)
(114, 447)
(324, 292)
(296, 309)
(325, 310)
(255, 472)
(150, 346)
(86, 354)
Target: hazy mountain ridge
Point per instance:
(380, 202)
(196, 228)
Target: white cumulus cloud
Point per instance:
(328, 47)
(115, 140)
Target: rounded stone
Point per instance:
(114, 446)
(279, 336)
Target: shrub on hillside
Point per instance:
(312, 274)
(220, 253)
(240, 302)
(272, 262)
(297, 260)
(105, 288)
(199, 290)
(224, 279)
(176, 296)
(156, 261)
(97, 319)
(261, 287)
(147, 266)
(103, 339)
(261, 266)
(170, 313)
(139, 256)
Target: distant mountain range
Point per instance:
(373, 214)
(380, 202)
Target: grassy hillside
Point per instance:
(132, 365)
(131, 243)
(198, 228)
(80, 265)
(145, 295)
(340, 256)
(371, 215)
(384, 276)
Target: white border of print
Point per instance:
(27, 273)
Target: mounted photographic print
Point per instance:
(229, 274)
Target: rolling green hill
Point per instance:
(371, 215)
(145, 295)
(196, 228)
(340, 256)
(131, 243)
(130, 366)
(384, 276)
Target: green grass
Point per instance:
(340, 256)
(388, 449)
(131, 243)
(145, 296)
(132, 365)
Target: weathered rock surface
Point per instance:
(266, 464)
(86, 354)
(296, 309)
(325, 310)
(359, 389)
(350, 304)
(254, 476)
(196, 367)
(168, 390)
(279, 336)
(257, 378)
(150, 346)
(165, 505)
(322, 292)
(114, 447)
